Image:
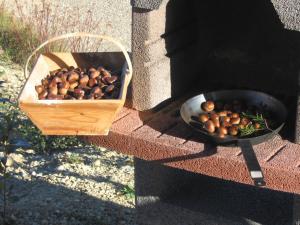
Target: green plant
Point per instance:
(42, 143)
(16, 38)
(23, 130)
(74, 158)
(7, 145)
(128, 192)
(250, 128)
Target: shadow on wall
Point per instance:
(216, 44)
(232, 44)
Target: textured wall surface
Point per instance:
(208, 45)
(146, 4)
(160, 64)
(289, 13)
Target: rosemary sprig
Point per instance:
(258, 118)
(250, 129)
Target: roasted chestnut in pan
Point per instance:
(235, 121)
(227, 118)
(234, 130)
(222, 130)
(209, 126)
(203, 117)
(208, 106)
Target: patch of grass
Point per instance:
(128, 192)
(74, 159)
(25, 130)
(16, 38)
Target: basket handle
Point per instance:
(82, 34)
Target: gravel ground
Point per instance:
(85, 185)
(82, 186)
(76, 187)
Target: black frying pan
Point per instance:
(274, 107)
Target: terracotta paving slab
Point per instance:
(162, 137)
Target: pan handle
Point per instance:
(252, 162)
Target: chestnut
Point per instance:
(39, 89)
(100, 68)
(73, 76)
(78, 92)
(98, 96)
(85, 88)
(242, 126)
(203, 117)
(102, 86)
(216, 123)
(222, 130)
(110, 80)
(43, 94)
(235, 121)
(226, 118)
(234, 130)
(64, 84)
(208, 106)
(92, 82)
(223, 113)
(53, 91)
(245, 121)
(105, 73)
(209, 126)
(92, 69)
(73, 85)
(84, 80)
(257, 126)
(215, 118)
(94, 74)
(45, 82)
(221, 136)
(96, 90)
(109, 88)
(71, 68)
(64, 77)
(226, 124)
(56, 79)
(52, 84)
(63, 91)
(235, 115)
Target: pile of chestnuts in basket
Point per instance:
(79, 83)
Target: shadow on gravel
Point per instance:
(52, 163)
(38, 202)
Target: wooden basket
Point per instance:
(73, 117)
